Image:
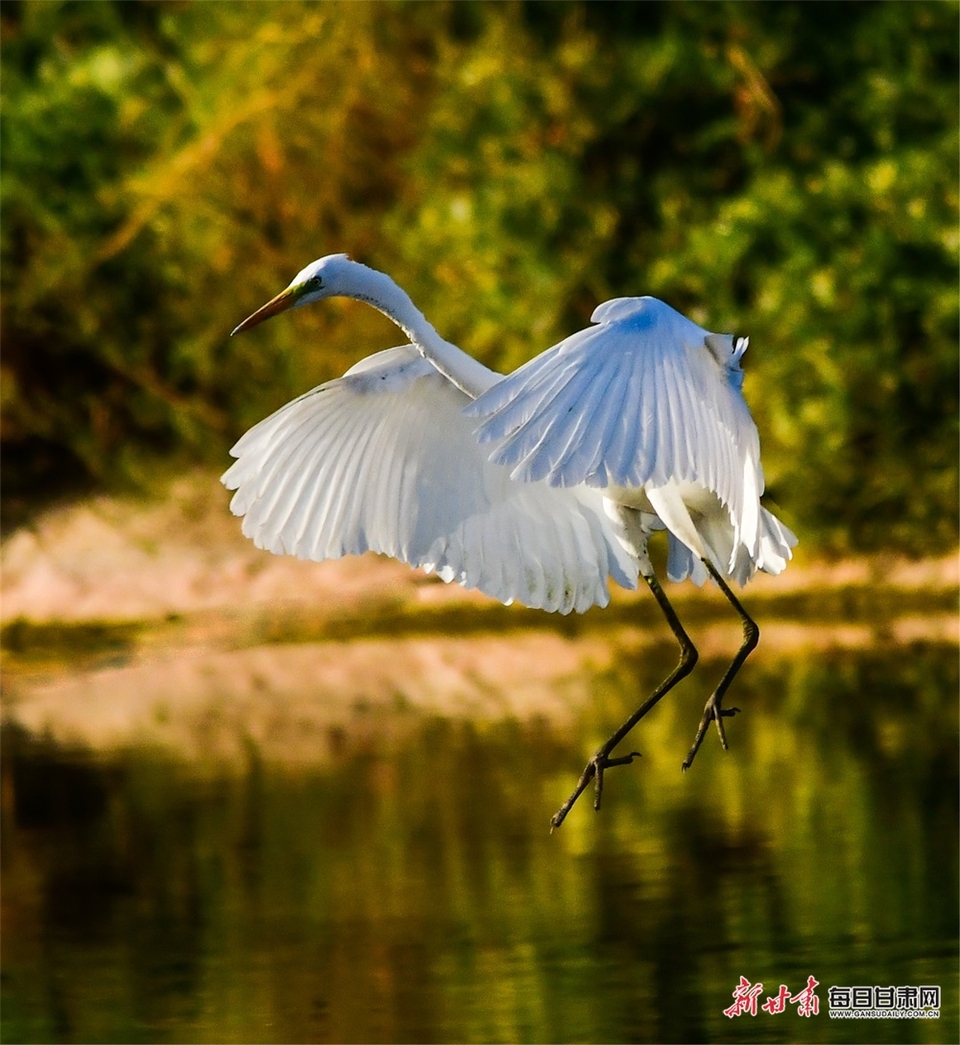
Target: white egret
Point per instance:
(532, 487)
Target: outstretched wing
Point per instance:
(383, 459)
(644, 397)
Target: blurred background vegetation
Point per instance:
(783, 170)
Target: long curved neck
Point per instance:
(380, 291)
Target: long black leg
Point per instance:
(602, 760)
(714, 711)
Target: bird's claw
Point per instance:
(713, 712)
(602, 763)
(594, 769)
(623, 760)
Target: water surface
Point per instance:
(403, 885)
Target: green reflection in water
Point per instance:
(410, 890)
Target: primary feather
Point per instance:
(645, 406)
(383, 459)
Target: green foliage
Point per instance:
(783, 169)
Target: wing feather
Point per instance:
(282, 461)
(383, 459)
(682, 417)
(308, 498)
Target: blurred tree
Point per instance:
(788, 170)
(785, 169)
(156, 156)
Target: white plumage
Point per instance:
(532, 487)
(646, 407)
(383, 460)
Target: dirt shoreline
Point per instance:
(127, 623)
(120, 559)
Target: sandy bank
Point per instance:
(114, 558)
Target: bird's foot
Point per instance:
(594, 770)
(713, 712)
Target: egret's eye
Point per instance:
(313, 283)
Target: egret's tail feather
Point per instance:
(776, 542)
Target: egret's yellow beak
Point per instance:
(284, 300)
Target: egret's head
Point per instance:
(320, 279)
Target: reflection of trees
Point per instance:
(412, 891)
